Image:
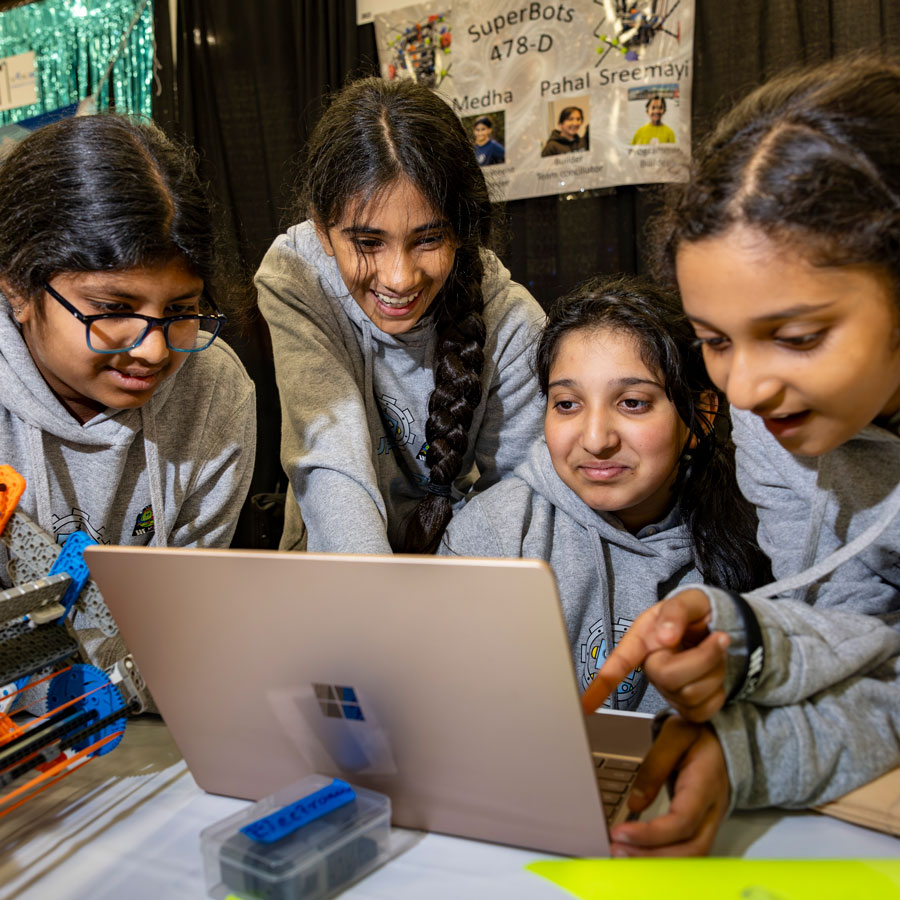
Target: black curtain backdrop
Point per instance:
(246, 86)
(249, 80)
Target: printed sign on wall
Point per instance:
(17, 82)
(557, 97)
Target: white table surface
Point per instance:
(127, 826)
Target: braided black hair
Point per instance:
(373, 133)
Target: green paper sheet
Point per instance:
(724, 879)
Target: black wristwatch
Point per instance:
(756, 652)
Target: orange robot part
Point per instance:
(12, 486)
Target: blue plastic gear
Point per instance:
(80, 679)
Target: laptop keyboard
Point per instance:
(615, 775)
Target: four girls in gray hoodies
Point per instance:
(127, 420)
(402, 360)
(401, 344)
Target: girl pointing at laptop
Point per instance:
(785, 245)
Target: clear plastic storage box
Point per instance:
(306, 842)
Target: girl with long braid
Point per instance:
(401, 344)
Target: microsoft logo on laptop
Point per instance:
(338, 702)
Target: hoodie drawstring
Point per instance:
(367, 345)
(816, 517)
(157, 497)
(842, 554)
(41, 479)
(604, 563)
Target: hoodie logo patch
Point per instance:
(397, 423)
(593, 653)
(144, 522)
(77, 520)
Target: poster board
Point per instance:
(564, 97)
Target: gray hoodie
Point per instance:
(355, 400)
(173, 472)
(606, 575)
(825, 716)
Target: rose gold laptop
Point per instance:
(445, 683)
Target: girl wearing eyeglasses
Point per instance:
(119, 423)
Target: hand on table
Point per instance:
(699, 800)
(682, 658)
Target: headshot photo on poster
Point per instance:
(568, 126)
(487, 133)
(650, 105)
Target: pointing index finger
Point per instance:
(628, 654)
(661, 626)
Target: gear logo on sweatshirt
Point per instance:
(397, 422)
(144, 523)
(77, 520)
(595, 650)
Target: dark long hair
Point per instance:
(722, 523)
(95, 193)
(567, 111)
(373, 133)
(810, 160)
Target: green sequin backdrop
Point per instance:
(73, 43)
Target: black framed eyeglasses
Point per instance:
(120, 332)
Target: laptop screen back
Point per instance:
(445, 683)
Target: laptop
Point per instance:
(445, 683)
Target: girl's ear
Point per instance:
(706, 414)
(21, 308)
(324, 239)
